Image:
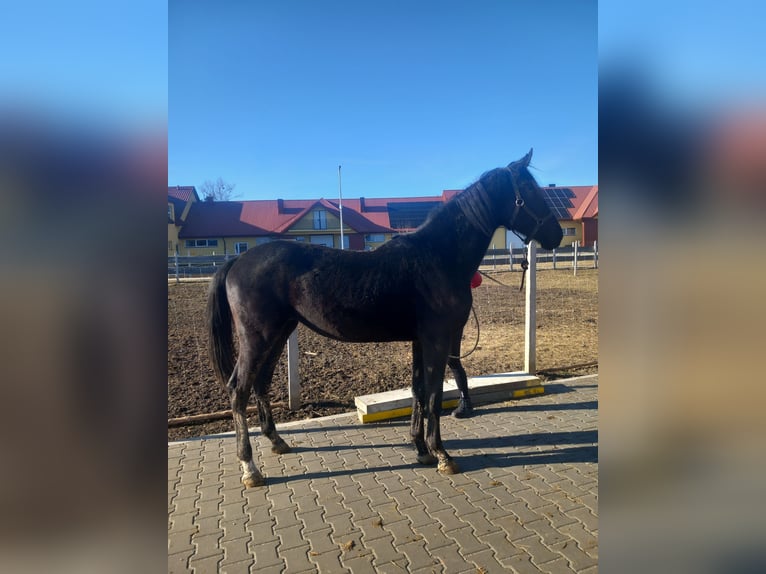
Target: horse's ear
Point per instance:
(523, 162)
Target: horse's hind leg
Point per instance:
(240, 386)
(262, 383)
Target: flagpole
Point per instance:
(340, 208)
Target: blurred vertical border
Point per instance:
(682, 174)
(83, 171)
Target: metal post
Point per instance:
(574, 259)
(530, 318)
(595, 254)
(293, 376)
(554, 258)
(340, 208)
(178, 280)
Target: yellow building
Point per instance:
(204, 228)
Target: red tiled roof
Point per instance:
(363, 215)
(183, 192)
(589, 206)
(218, 219)
(584, 200)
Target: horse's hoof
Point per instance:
(280, 447)
(462, 412)
(448, 467)
(427, 459)
(253, 480)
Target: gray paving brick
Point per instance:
(262, 533)
(586, 518)
(503, 515)
(205, 565)
(521, 563)
(416, 554)
(328, 561)
(401, 531)
(290, 537)
(532, 499)
(179, 561)
(384, 550)
(312, 520)
(523, 512)
(182, 522)
(485, 561)
(398, 566)
(297, 558)
(534, 546)
(360, 564)
(466, 541)
(207, 545)
(577, 559)
(586, 541)
(419, 519)
(372, 529)
(479, 523)
(558, 566)
(450, 559)
(236, 550)
(501, 546)
(320, 541)
(266, 555)
(235, 567)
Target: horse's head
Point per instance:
(521, 205)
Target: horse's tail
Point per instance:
(219, 321)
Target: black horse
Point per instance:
(414, 288)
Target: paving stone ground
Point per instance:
(351, 498)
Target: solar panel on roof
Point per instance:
(559, 200)
(411, 214)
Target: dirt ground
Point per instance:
(333, 373)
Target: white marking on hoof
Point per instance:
(250, 475)
(448, 466)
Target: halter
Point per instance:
(521, 204)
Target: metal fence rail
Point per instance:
(571, 256)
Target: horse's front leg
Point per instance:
(418, 406)
(434, 365)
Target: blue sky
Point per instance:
(410, 98)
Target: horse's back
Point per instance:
(347, 295)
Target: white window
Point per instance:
(240, 247)
(201, 243)
(325, 240)
(569, 231)
(375, 238)
(170, 211)
(320, 219)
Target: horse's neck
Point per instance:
(457, 239)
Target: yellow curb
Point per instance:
(406, 411)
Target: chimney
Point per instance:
(362, 206)
(280, 205)
(551, 185)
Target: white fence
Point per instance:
(571, 257)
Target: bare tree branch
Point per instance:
(219, 190)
